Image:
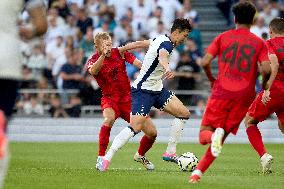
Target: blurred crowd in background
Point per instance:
(57, 60)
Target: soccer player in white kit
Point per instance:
(148, 91)
(10, 63)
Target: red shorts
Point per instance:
(121, 109)
(260, 112)
(226, 114)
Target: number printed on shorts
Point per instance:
(244, 60)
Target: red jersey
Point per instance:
(276, 46)
(112, 78)
(238, 52)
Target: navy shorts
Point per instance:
(142, 100)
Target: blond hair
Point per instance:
(101, 36)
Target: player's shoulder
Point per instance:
(161, 39)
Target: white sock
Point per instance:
(119, 141)
(175, 134)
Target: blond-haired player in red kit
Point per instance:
(272, 98)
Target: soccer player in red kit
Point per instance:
(108, 67)
(233, 90)
(272, 98)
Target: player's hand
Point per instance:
(106, 49)
(265, 97)
(169, 74)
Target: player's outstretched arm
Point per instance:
(206, 65)
(37, 14)
(134, 45)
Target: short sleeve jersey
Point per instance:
(112, 78)
(238, 53)
(276, 46)
(151, 73)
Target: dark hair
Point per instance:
(277, 25)
(244, 13)
(181, 24)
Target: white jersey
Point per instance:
(151, 73)
(10, 55)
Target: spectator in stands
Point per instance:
(60, 61)
(28, 80)
(171, 8)
(141, 12)
(152, 22)
(54, 49)
(63, 9)
(188, 12)
(104, 27)
(70, 28)
(120, 34)
(194, 53)
(187, 71)
(160, 30)
(120, 7)
(259, 27)
(71, 75)
(96, 8)
(268, 13)
(73, 109)
(195, 35)
(37, 62)
(33, 107)
(83, 21)
(56, 110)
(87, 44)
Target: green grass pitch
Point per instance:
(72, 166)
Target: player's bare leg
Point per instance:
(205, 161)
(255, 139)
(137, 122)
(146, 143)
(109, 119)
(176, 108)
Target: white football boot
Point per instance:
(266, 162)
(216, 144)
(144, 161)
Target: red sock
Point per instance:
(255, 139)
(145, 144)
(205, 137)
(104, 139)
(205, 161)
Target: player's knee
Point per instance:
(249, 121)
(152, 135)
(109, 121)
(184, 114)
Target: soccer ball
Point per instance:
(187, 161)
